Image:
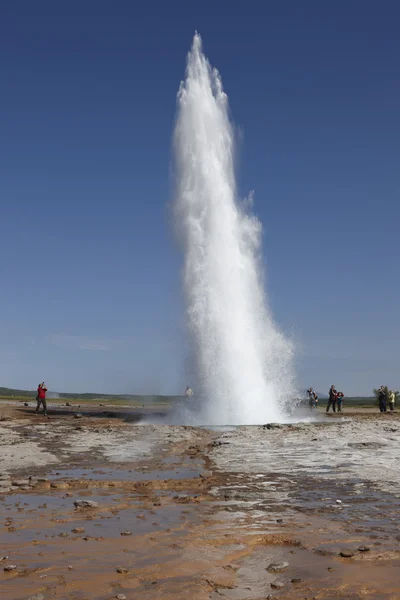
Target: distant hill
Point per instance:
(145, 398)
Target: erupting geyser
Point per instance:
(243, 362)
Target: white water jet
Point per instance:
(243, 363)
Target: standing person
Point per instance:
(392, 400)
(188, 393)
(312, 398)
(41, 398)
(382, 398)
(340, 397)
(332, 399)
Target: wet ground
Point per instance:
(194, 512)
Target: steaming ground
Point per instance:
(181, 509)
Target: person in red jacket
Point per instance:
(41, 398)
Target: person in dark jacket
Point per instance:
(332, 399)
(382, 398)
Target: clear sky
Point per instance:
(90, 294)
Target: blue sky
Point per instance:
(90, 296)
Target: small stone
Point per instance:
(363, 549)
(67, 404)
(10, 568)
(122, 570)
(70, 568)
(120, 597)
(279, 520)
(59, 485)
(26, 404)
(126, 532)
(20, 482)
(277, 567)
(85, 504)
(63, 535)
(78, 530)
(338, 502)
(272, 426)
(295, 580)
(277, 585)
(346, 554)
(78, 416)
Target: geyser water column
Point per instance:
(243, 363)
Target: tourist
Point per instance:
(41, 398)
(340, 397)
(312, 398)
(382, 398)
(392, 400)
(332, 399)
(188, 393)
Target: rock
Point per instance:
(295, 580)
(59, 485)
(279, 520)
(126, 532)
(120, 597)
(63, 535)
(122, 570)
(363, 549)
(10, 568)
(338, 502)
(346, 554)
(20, 482)
(272, 426)
(361, 445)
(26, 404)
(70, 568)
(277, 567)
(37, 597)
(78, 416)
(85, 504)
(277, 585)
(67, 404)
(78, 530)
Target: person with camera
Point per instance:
(382, 398)
(41, 398)
(332, 399)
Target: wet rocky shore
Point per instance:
(104, 506)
